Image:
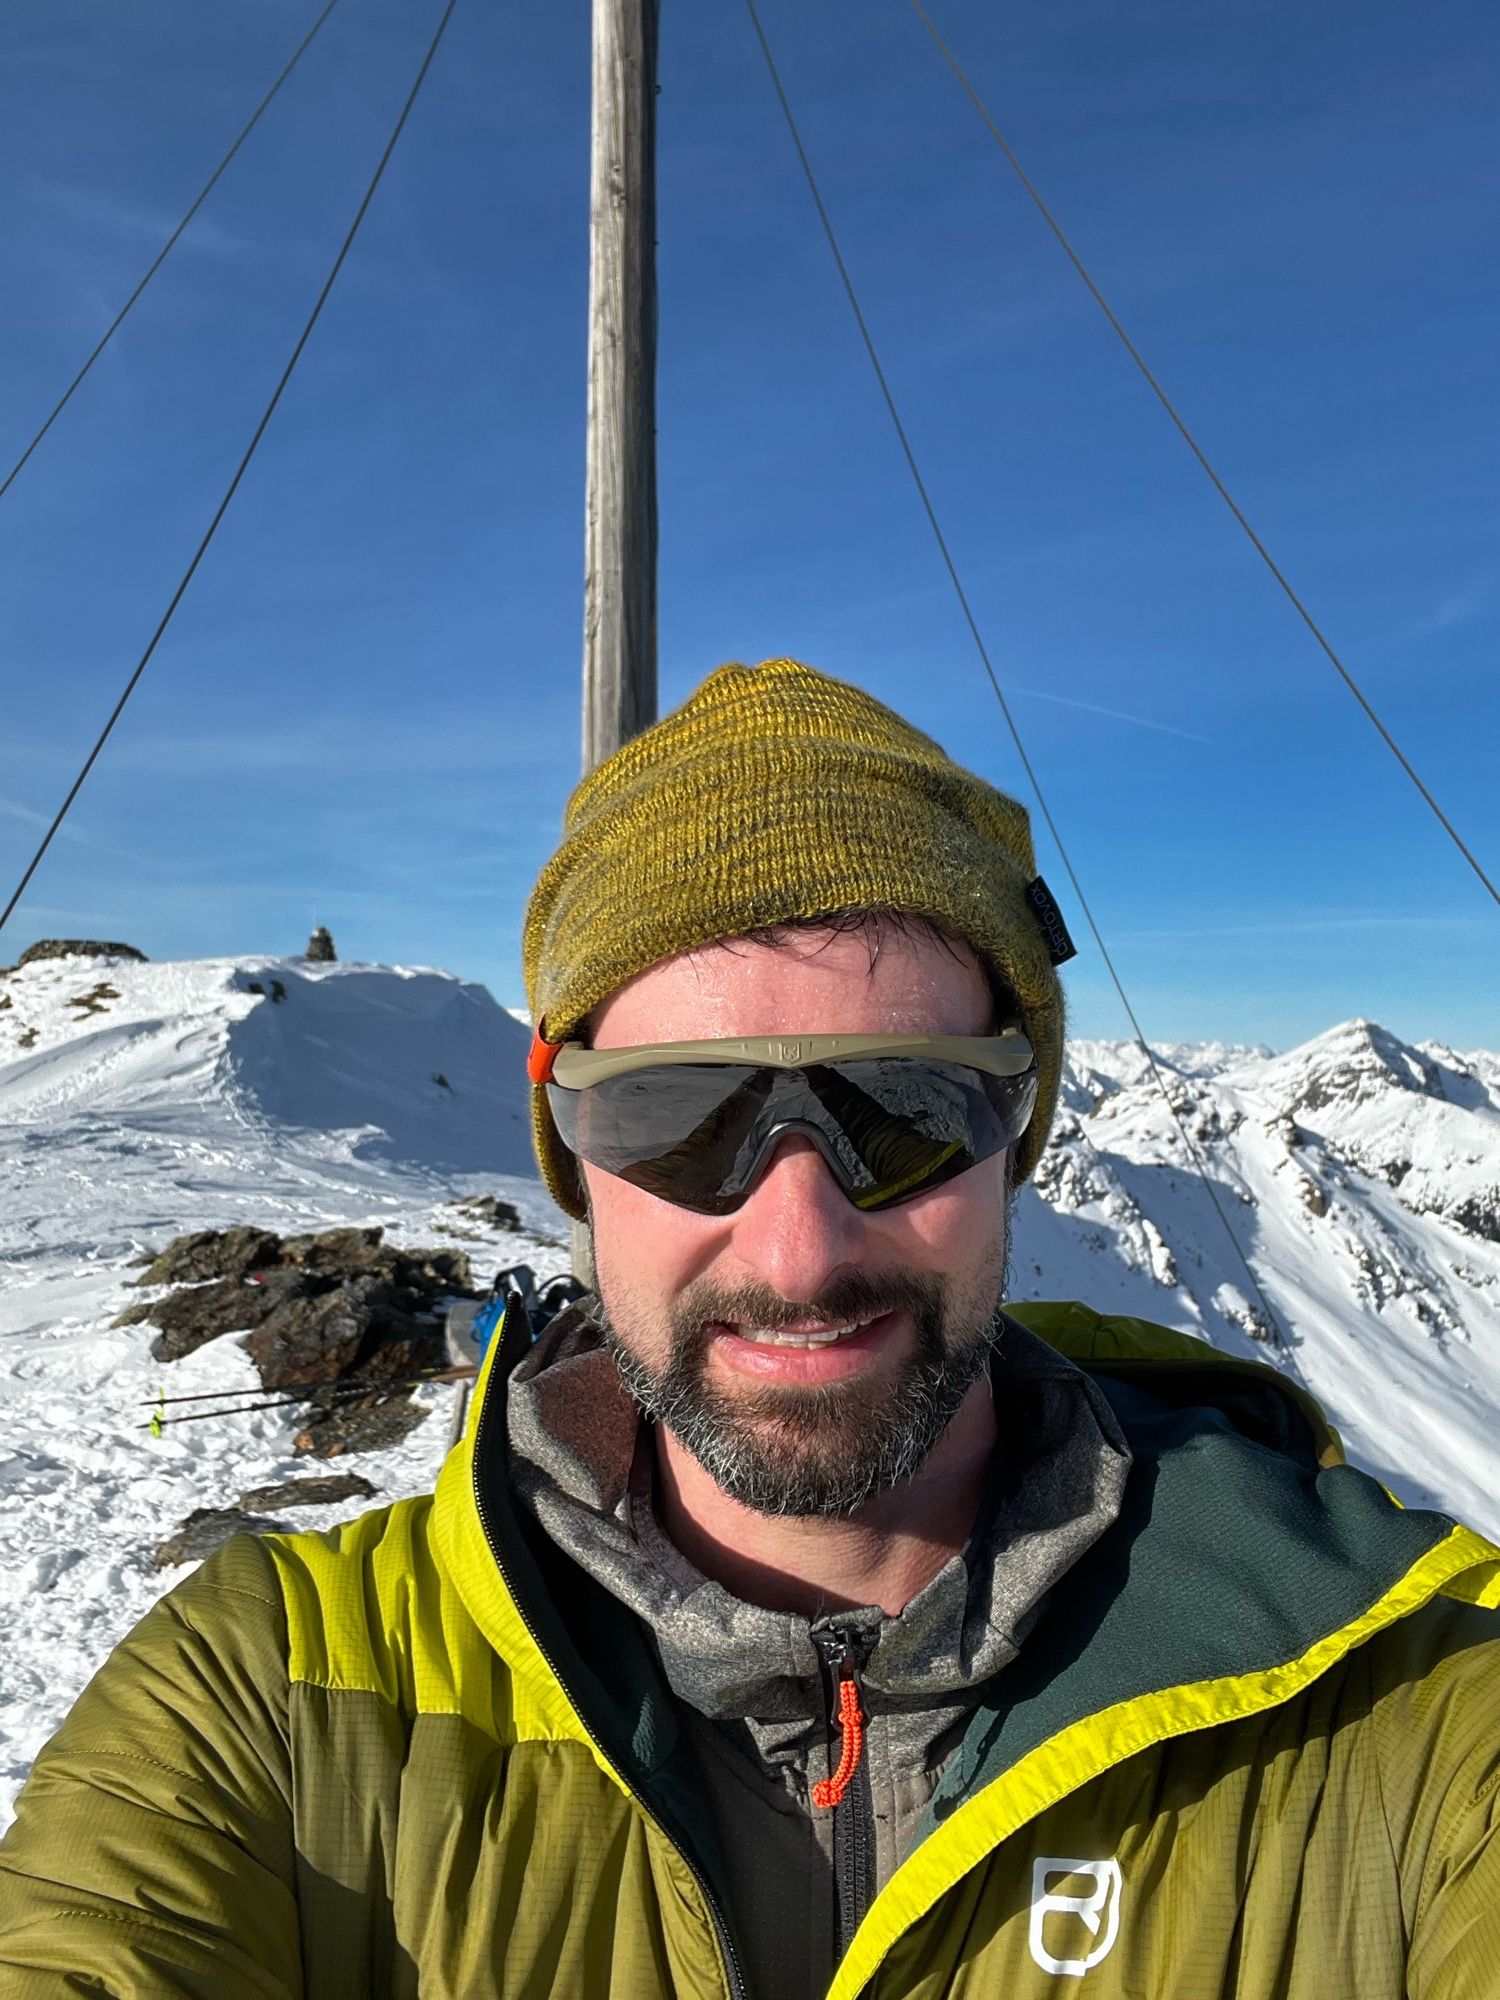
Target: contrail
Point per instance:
(1116, 714)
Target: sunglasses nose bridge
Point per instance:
(774, 1145)
(794, 1226)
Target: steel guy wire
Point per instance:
(161, 256)
(240, 470)
(1198, 452)
(983, 651)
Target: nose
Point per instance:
(796, 1230)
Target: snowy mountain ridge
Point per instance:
(1360, 1175)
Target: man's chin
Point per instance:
(799, 1438)
(819, 1453)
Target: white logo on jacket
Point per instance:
(1099, 1909)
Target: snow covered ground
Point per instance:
(192, 1101)
(1361, 1176)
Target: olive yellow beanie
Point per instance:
(775, 792)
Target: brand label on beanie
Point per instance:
(1049, 916)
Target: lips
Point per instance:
(808, 1355)
(799, 1336)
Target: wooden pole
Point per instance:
(619, 618)
(619, 606)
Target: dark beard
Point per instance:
(821, 1452)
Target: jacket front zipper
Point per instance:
(847, 1791)
(732, 1968)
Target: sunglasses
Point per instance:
(696, 1123)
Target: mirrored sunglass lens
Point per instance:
(911, 1125)
(699, 1134)
(677, 1127)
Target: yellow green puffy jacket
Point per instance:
(1252, 1750)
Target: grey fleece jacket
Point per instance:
(753, 1690)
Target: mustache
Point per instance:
(857, 1295)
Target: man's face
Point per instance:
(710, 1317)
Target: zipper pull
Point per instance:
(838, 1657)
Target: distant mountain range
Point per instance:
(1361, 1178)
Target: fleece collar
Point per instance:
(581, 1463)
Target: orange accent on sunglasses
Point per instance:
(543, 1055)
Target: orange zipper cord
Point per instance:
(830, 1791)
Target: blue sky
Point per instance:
(365, 713)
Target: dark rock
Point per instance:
(366, 1423)
(6, 1001)
(490, 1210)
(27, 1039)
(94, 1002)
(207, 1529)
(323, 1315)
(433, 1272)
(1313, 1196)
(278, 991)
(189, 1319)
(314, 1339)
(397, 1349)
(77, 948)
(212, 1253)
(1476, 1215)
(337, 1249)
(320, 947)
(325, 1492)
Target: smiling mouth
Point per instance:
(805, 1337)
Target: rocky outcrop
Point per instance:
(369, 1423)
(77, 948)
(327, 1491)
(212, 1253)
(320, 949)
(342, 1317)
(207, 1529)
(490, 1211)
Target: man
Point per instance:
(792, 1621)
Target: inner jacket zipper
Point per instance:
(846, 1791)
(730, 1955)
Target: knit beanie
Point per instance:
(773, 793)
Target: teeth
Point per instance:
(825, 1336)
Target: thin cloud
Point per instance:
(151, 226)
(1454, 609)
(13, 809)
(1115, 714)
(1311, 926)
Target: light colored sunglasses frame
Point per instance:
(1009, 1053)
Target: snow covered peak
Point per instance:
(404, 1063)
(1356, 1063)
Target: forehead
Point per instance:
(815, 983)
